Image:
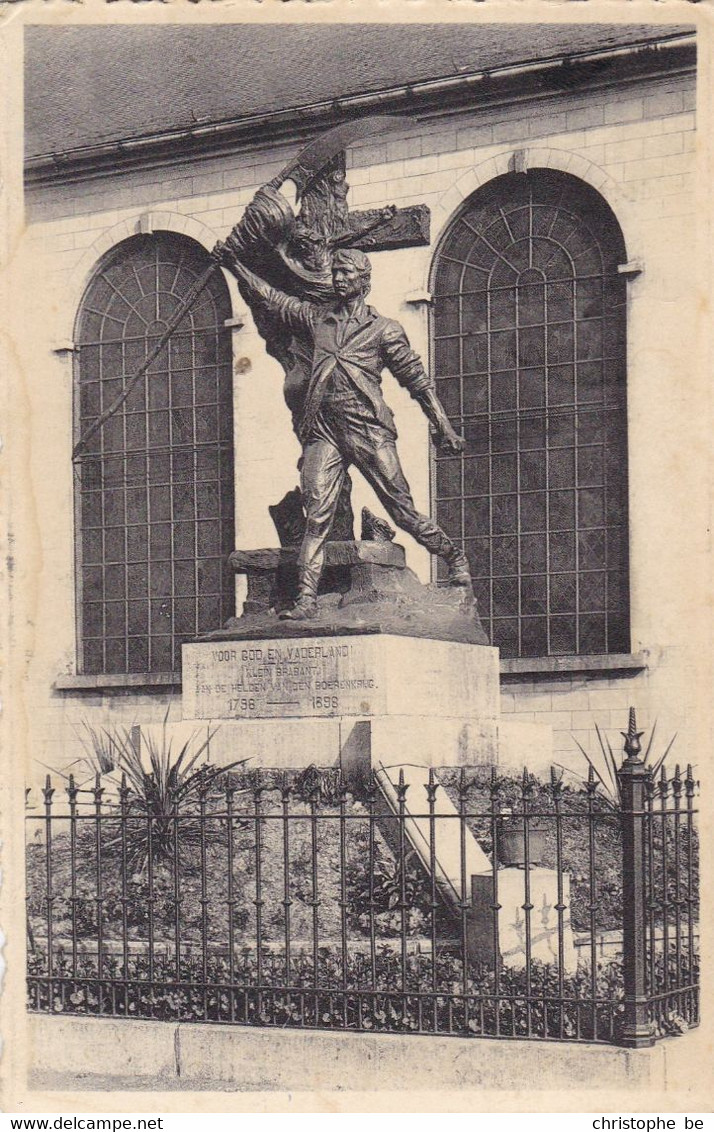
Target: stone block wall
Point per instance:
(575, 705)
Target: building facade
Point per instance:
(556, 302)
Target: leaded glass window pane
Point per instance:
(529, 351)
(155, 490)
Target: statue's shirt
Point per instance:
(347, 353)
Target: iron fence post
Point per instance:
(632, 776)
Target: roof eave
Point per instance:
(529, 80)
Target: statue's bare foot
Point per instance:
(305, 609)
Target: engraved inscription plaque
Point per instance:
(274, 679)
(341, 676)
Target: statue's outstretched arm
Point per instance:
(297, 314)
(408, 368)
(445, 436)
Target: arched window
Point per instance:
(529, 353)
(154, 490)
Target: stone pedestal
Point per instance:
(296, 700)
(309, 677)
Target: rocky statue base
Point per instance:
(366, 588)
(390, 671)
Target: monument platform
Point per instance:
(321, 676)
(295, 700)
(390, 671)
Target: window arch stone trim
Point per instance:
(447, 208)
(159, 220)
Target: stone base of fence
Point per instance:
(110, 1054)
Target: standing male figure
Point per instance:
(342, 418)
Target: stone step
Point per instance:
(453, 881)
(464, 876)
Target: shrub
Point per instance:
(170, 784)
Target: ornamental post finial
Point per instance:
(632, 737)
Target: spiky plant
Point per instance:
(99, 758)
(603, 767)
(165, 787)
(100, 749)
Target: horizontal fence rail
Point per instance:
(470, 903)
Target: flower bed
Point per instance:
(432, 998)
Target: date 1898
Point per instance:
(325, 703)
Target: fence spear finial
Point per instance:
(632, 737)
(48, 791)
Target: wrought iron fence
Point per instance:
(464, 902)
